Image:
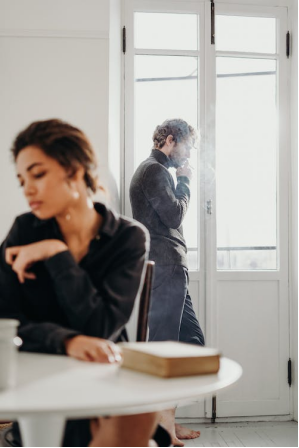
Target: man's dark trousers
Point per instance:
(171, 315)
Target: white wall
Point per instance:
(294, 202)
(114, 131)
(54, 57)
(63, 15)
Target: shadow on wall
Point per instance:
(108, 192)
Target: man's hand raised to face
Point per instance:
(185, 170)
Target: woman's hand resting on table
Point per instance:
(88, 348)
(21, 258)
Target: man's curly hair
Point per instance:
(178, 128)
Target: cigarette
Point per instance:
(188, 164)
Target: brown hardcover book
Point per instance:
(170, 359)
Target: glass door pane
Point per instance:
(246, 164)
(167, 87)
(165, 31)
(250, 34)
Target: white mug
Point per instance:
(8, 352)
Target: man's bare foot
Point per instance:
(185, 433)
(167, 421)
(176, 442)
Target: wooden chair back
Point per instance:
(144, 303)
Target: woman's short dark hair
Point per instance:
(178, 128)
(64, 143)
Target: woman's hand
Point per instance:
(88, 348)
(21, 258)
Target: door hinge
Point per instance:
(290, 372)
(209, 207)
(124, 40)
(212, 22)
(288, 39)
(214, 406)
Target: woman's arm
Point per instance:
(102, 313)
(99, 313)
(46, 337)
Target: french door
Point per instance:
(234, 91)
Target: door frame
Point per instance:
(208, 277)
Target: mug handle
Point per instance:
(17, 341)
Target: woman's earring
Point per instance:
(76, 194)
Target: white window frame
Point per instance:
(172, 7)
(283, 172)
(192, 6)
(283, 160)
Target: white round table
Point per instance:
(51, 389)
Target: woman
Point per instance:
(70, 269)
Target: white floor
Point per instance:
(281, 434)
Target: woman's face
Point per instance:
(46, 184)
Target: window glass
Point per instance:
(166, 87)
(250, 34)
(166, 31)
(246, 165)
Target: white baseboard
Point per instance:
(256, 418)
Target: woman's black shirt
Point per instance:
(94, 297)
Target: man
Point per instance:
(161, 206)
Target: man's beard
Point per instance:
(176, 163)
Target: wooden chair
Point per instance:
(4, 425)
(144, 303)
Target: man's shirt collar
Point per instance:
(161, 158)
